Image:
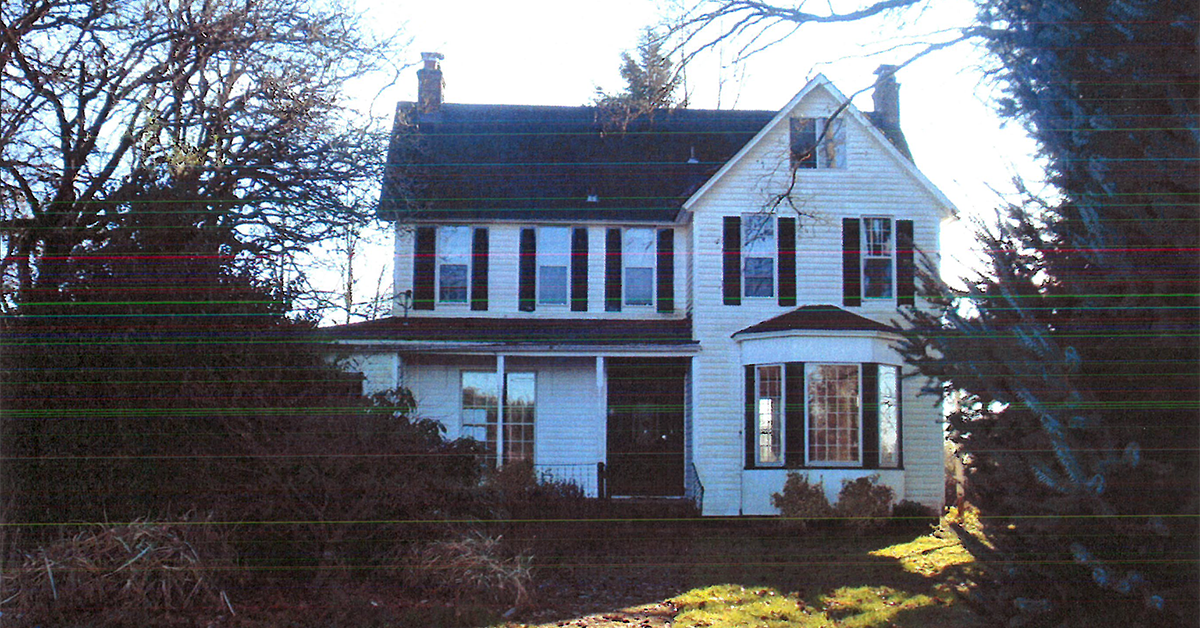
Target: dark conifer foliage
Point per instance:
(1079, 346)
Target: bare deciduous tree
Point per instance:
(240, 103)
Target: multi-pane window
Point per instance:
(889, 417)
(638, 252)
(553, 258)
(453, 263)
(509, 437)
(480, 409)
(878, 258)
(818, 143)
(758, 255)
(520, 401)
(834, 414)
(769, 414)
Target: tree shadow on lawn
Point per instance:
(737, 571)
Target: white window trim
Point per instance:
(537, 273)
(625, 266)
(863, 257)
(781, 425)
(437, 267)
(773, 242)
(828, 463)
(501, 399)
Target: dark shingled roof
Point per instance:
(507, 330)
(471, 162)
(817, 317)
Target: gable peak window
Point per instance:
(818, 143)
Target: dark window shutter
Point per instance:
(906, 291)
(787, 261)
(793, 417)
(731, 257)
(479, 269)
(851, 260)
(579, 269)
(666, 270)
(751, 428)
(612, 270)
(870, 416)
(424, 268)
(527, 269)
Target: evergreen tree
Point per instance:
(651, 83)
(1079, 347)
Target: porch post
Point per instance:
(500, 410)
(601, 412)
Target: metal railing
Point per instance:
(693, 488)
(587, 476)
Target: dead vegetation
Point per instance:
(116, 575)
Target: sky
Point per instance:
(558, 52)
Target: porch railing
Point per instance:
(588, 477)
(693, 488)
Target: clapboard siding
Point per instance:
(503, 276)
(873, 183)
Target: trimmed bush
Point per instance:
(912, 515)
(802, 502)
(865, 503)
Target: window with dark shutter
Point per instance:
(666, 270)
(579, 269)
(851, 271)
(527, 270)
(479, 270)
(612, 270)
(424, 267)
(906, 289)
(731, 256)
(870, 416)
(793, 415)
(787, 261)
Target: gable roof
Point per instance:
(471, 162)
(817, 318)
(893, 142)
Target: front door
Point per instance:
(645, 426)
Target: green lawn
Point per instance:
(757, 573)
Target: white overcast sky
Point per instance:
(556, 52)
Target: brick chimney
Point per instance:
(430, 83)
(887, 97)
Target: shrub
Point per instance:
(801, 501)
(864, 503)
(912, 515)
(141, 572)
(471, 568)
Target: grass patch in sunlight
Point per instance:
(727, 606)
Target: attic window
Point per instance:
(818, 143)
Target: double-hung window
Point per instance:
(768, 415)
(878, 258)
(834, 414)
(638, 251)
(453, 263)
(553, 260)
(818, 143)
(758, 255)
(507, 436)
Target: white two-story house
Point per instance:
(692, 304)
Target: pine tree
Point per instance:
(1079, 345)
(651, 83)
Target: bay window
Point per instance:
(769, 415)
(834, 416)
(889, 417)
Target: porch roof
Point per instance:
(491, 331)
(817, 318)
